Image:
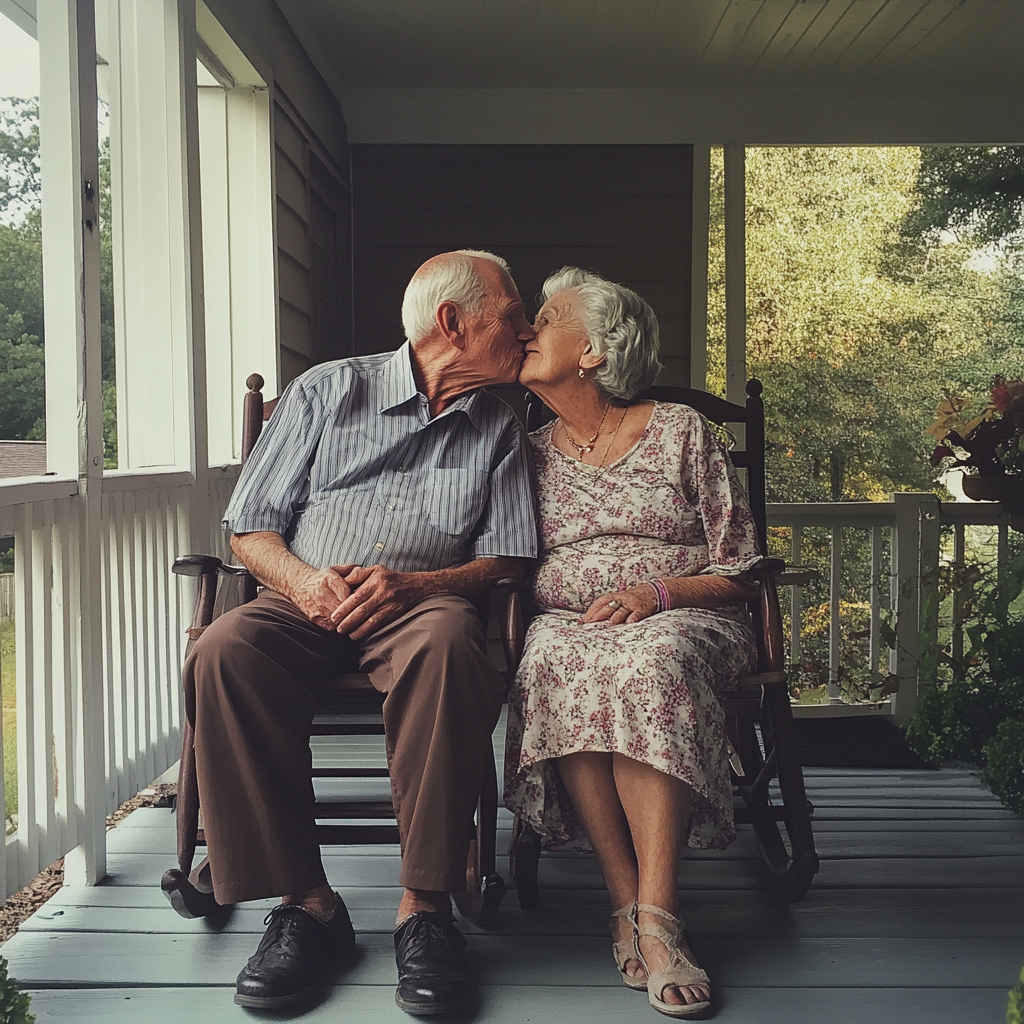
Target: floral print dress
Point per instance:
(671, 506)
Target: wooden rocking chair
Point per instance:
(348, 706)
(759, 720)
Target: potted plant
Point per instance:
(989, 446)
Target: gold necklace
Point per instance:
(600, 467)
(584, 449)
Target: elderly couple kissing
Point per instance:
(387, 491)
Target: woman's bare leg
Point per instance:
(589, 780)
(657, 807)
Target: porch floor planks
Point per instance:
(917, 915)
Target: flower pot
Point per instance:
(1008, 490)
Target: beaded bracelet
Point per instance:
(661, 591)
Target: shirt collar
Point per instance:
(399, 387)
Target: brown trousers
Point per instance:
(250, 686)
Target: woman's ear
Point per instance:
(589, 360)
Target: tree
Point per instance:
(20, 186)
(975, 190)
(22, 336)
(855, 333)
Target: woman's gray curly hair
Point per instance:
(620, 325)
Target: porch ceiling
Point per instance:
(663, 44)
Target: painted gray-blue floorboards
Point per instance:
(917, 917)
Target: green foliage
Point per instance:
(14, 1003)
(19, 153)
(855, 330)
(22, 375)
(977, 713)
(1015, 1003)
(957, 722)
(1004, 760)
(978, 190)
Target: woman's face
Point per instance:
(553, 356)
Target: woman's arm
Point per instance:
(639, 602)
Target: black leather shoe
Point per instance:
(293, 958)
(433, 975)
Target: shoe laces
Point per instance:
(426, 929)
(282, 927)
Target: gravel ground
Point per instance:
(25, 902)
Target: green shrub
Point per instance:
(13, 1002)
(1004, 764)
(1015, 1006)
(955, 723)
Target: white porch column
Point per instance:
(735, 275)
(74, 413)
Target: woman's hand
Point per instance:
(623, 606)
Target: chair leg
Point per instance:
(485, 888)
(492, 885)
(191, 896)
(790, 871)
(524, 862)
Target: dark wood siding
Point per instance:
(624, 211)
(314, 247)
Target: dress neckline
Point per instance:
(601, 470)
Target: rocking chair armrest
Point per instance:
(197, 565)
(767, 568)
(519, 584)
(509, 593)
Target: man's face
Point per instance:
(497, 336)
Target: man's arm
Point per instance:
(379, 595)
(316, 593)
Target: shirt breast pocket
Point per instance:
(457, 498)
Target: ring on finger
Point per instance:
(614, 604)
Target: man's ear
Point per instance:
(449, 322)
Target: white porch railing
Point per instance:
(145, 521)
(145, 524)
(909, 527)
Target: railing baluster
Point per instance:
(65, 553)
(959, 598)
(43, 691)
(1002, 557)
(796, 593)
(134, 661)
(24, 622)
(875, 642)
(835, 633)
(162, 648)
(145, 589)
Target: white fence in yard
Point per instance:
(6, 597)
(144, 523)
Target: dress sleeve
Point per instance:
(713, 488)
(508, 526)
(275, 477)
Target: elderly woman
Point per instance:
(615, 732)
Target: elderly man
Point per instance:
(384, 492)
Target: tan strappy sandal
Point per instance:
(679, 971)
(623, 952)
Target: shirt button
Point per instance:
(379, 546)
(402, 469)
(391, 508)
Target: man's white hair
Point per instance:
(453, 278)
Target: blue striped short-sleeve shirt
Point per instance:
(351, 468)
